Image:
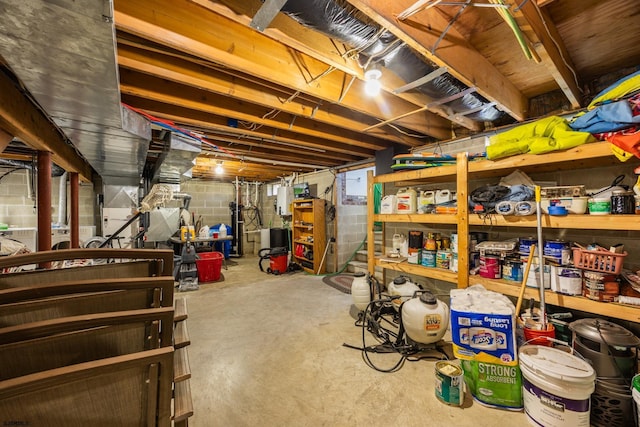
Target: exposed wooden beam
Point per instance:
(186, 26)
(258, 141)
(179, 95)
(548, 43)
(287, 31)
(463, 61)
(5, 139)
(23, 119)
(223, 83)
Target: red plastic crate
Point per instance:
(209, 266)
(604, 261)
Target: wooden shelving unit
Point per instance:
(583, 157)
(308, 223)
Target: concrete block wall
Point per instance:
(18, 209)
(209, 200)
(352, 226)
(322, 180)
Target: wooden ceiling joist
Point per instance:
(187, 27)
(171, 93)
(218, 127)
(209, 79)
(287, 31)
(462, 60)
(543, 34)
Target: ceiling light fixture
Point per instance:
(219, 169)
(372, 80)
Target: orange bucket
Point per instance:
(539, 337)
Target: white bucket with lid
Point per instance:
(556, 387)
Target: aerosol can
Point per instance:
(425, 318)
(361, 290)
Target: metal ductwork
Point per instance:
(64, 52)
(338, 20)
(21, 164)
(176, 159)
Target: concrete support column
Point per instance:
(74, 181)
(44, 201)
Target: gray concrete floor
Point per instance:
(267, 351)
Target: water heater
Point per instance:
(284, 200)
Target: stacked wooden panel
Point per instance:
(90, 344)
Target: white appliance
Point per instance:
(113, 219)
(61, 237)
(284, 200)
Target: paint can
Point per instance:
(443, 259)
(489, 266)
(449, 383)
(622, 202)
(569, 281)
(415, 240)
(603, 287)
(415, 247)
(428, 258)
(453, 265)
(558, 250)
(525, 243)
(556, 387)
(512, 269)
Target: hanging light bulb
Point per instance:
(219, 169)
(372, 76)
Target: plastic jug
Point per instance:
(443, 196)
(400, 244)
(223, 231)
(406, 200)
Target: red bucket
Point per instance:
(209, 266)
(539, 337)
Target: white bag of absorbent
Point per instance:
(484, 338)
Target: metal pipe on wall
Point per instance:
(62, 200)
(44, 202)
(74, 184)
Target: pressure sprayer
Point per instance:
(425, 318)
(416, 325)
(404, 288)
(361, 290)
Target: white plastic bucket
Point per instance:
(556, 387)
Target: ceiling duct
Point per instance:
(338, 20)
(176, 159)
(64, 52)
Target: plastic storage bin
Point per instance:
(604, 261)
(209, 266)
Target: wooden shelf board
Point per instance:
(303, 242)
(584, 222)
(436, 174)
(433, 273)
(618, 311)
(584, 156)
(418, 218)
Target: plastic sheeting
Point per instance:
(340, 22)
